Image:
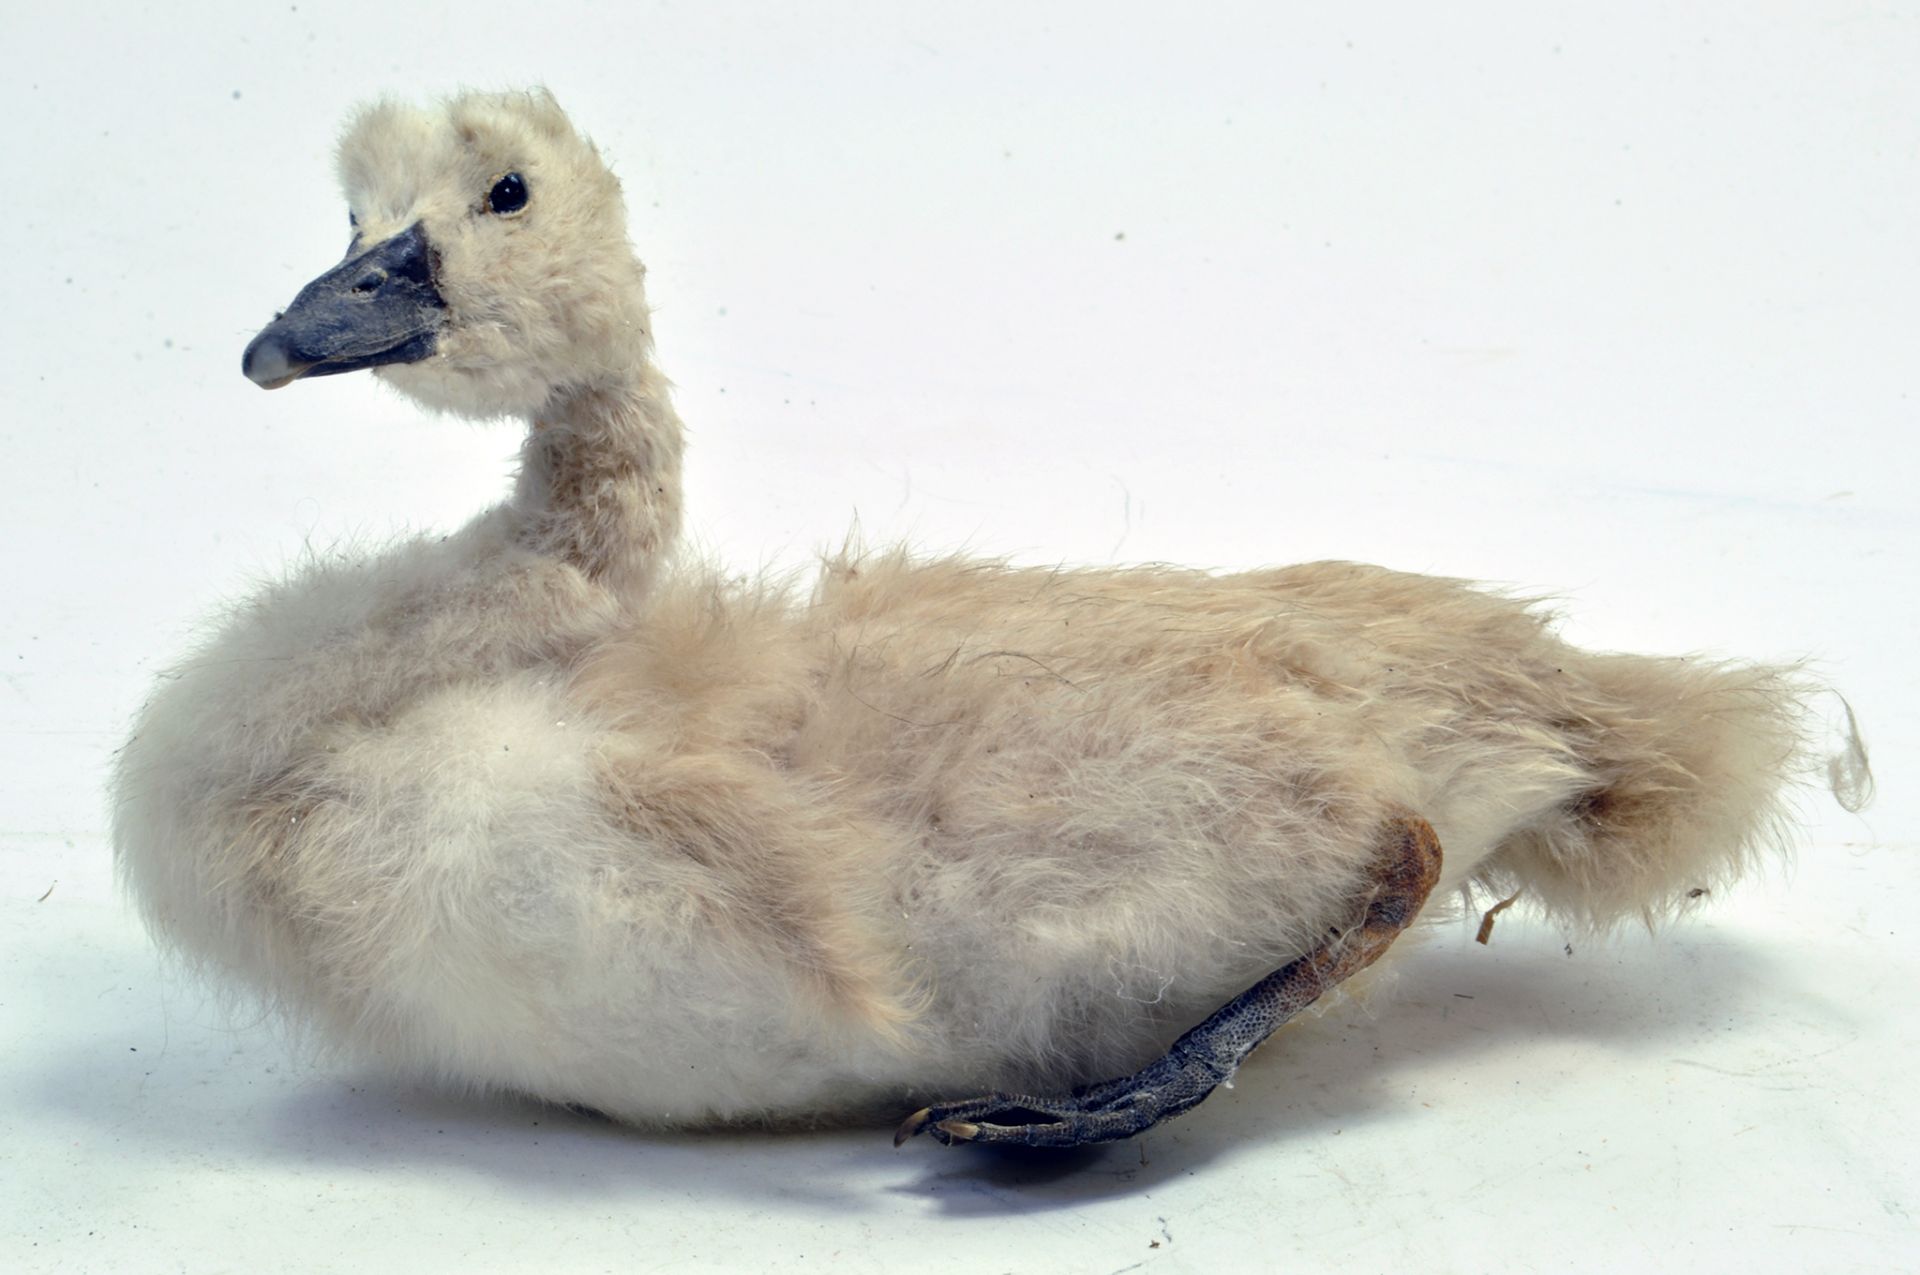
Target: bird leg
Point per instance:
(1207, 1056)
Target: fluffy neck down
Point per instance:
(599, 484)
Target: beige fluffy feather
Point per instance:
(537, 807)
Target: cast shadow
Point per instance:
(1445, 1009)
(1449, 1003)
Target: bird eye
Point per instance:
(508, 196)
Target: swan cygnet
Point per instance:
(536, 807)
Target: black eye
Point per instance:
(509, 195)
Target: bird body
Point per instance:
(541, 806)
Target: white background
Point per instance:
(1619, 303)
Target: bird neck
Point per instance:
(599, 482)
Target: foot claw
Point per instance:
(912, 1124)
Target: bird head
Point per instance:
(489, 269)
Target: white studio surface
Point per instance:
(1621, 306)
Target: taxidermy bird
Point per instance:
(536, 807)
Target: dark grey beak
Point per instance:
(374, 308)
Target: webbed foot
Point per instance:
(1207, 1056)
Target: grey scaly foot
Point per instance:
(1208, 1055)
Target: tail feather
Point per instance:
(1692, 764)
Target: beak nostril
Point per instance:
(370, 282)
